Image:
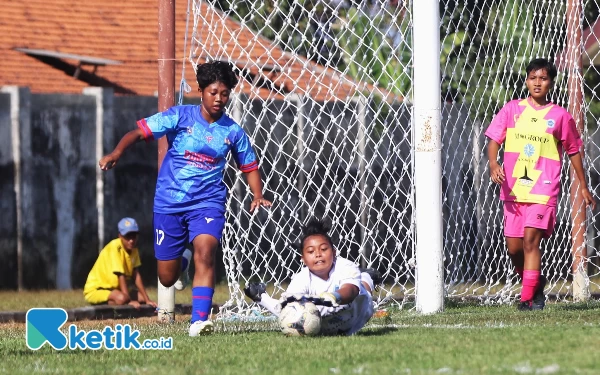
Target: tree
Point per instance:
(591, 74)
(289, 23)
(361, 39)
(377, 48)
(486, 46)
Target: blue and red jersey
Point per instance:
(191, 175)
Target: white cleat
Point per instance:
(200, 328)
(184, 277)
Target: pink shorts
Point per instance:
(518, 216)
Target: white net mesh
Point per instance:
(325, 97)
(590, 114)
(485, 51)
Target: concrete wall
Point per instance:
(68, 209)
(8, 206)
(61, 231)
(59, 209)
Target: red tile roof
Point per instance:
(127, 31)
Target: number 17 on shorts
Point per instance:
(174, 231)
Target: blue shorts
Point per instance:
(174, 231)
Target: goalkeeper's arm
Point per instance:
(258, 293)
(343, 296)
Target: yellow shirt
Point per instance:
(113, 260)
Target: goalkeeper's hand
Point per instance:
(335, 298)
(318, 301)
(288, 298)
(254, 291)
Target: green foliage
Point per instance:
(286, 22)
(591, 74)
(488, 46)
(369, 55)
(346, 38)
(485, 45)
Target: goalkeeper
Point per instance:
(334, 279)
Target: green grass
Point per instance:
(464, 339)
(67, 299)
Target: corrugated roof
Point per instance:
(89, 60)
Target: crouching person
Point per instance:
(116, 268)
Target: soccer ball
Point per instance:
(300, 319)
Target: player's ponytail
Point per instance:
(316, 227)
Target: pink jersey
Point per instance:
(534, 140)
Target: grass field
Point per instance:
(67, 299)
(464, 339)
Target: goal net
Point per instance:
(325, 95)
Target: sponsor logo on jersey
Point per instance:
(200, 160)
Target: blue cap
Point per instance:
(128, 225)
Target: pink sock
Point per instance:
(519, 272)
(530, 282)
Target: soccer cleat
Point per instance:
(524, 306)
(255, 290)
(375, 275)
(184, 276)
(201, 327)
(539, 299)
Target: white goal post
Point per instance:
(427, 146)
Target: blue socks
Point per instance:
(201, 302)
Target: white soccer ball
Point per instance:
(300, 319)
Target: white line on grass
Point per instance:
(525, 368)
(444, 326)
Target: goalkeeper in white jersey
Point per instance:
(334, 279)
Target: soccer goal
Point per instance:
(327, 95)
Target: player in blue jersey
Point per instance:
(189, 204)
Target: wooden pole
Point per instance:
(166, 99)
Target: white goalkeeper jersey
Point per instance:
(345, 319)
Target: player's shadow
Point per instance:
(377, 331)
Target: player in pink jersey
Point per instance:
(535, 133)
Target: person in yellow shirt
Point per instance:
(117, 265)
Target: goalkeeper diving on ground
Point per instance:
(336, 280)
